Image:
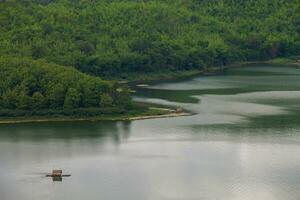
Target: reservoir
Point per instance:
(241, 143)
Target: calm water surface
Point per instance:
(243, 143)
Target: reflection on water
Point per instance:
(65, 130)
(57, 178)
(242, 143)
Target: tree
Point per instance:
(38, 51)
(37, 101)
(105, 100)
(9, 99)
(56, 96)
(72, 99)
(23, 101)
(30, 84)
(86, 47)
(123, 98)
(90, 93)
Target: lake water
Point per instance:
(242, 143)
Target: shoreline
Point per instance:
(180, 75)
(166, 112)
(180, 114)
(94, 119)
(213, 70)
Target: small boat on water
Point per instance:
(57, 173)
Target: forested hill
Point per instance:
(30, 87)
(113, 38)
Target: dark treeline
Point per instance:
(37, 85)
(112, 38)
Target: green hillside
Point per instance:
(113, 38)
(27, 85)
(51, 51)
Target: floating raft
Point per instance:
(57, 173)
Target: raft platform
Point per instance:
(57, 173)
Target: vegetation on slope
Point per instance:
(113, 38)
(43, 42)
(43, 88)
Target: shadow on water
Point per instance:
(248, 144)
(277, 129)
(57, 179)
(253, 77)
(116, 131)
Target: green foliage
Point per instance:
(10, 99)
(122, 97)
(38, 101)
(125, 38)
(23, 101)
(56, 95)
(27, 84)
(105, 100)
(113, 38)
(72, 99)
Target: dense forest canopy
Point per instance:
(37, 85)
(43, 44)
(112, 38)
